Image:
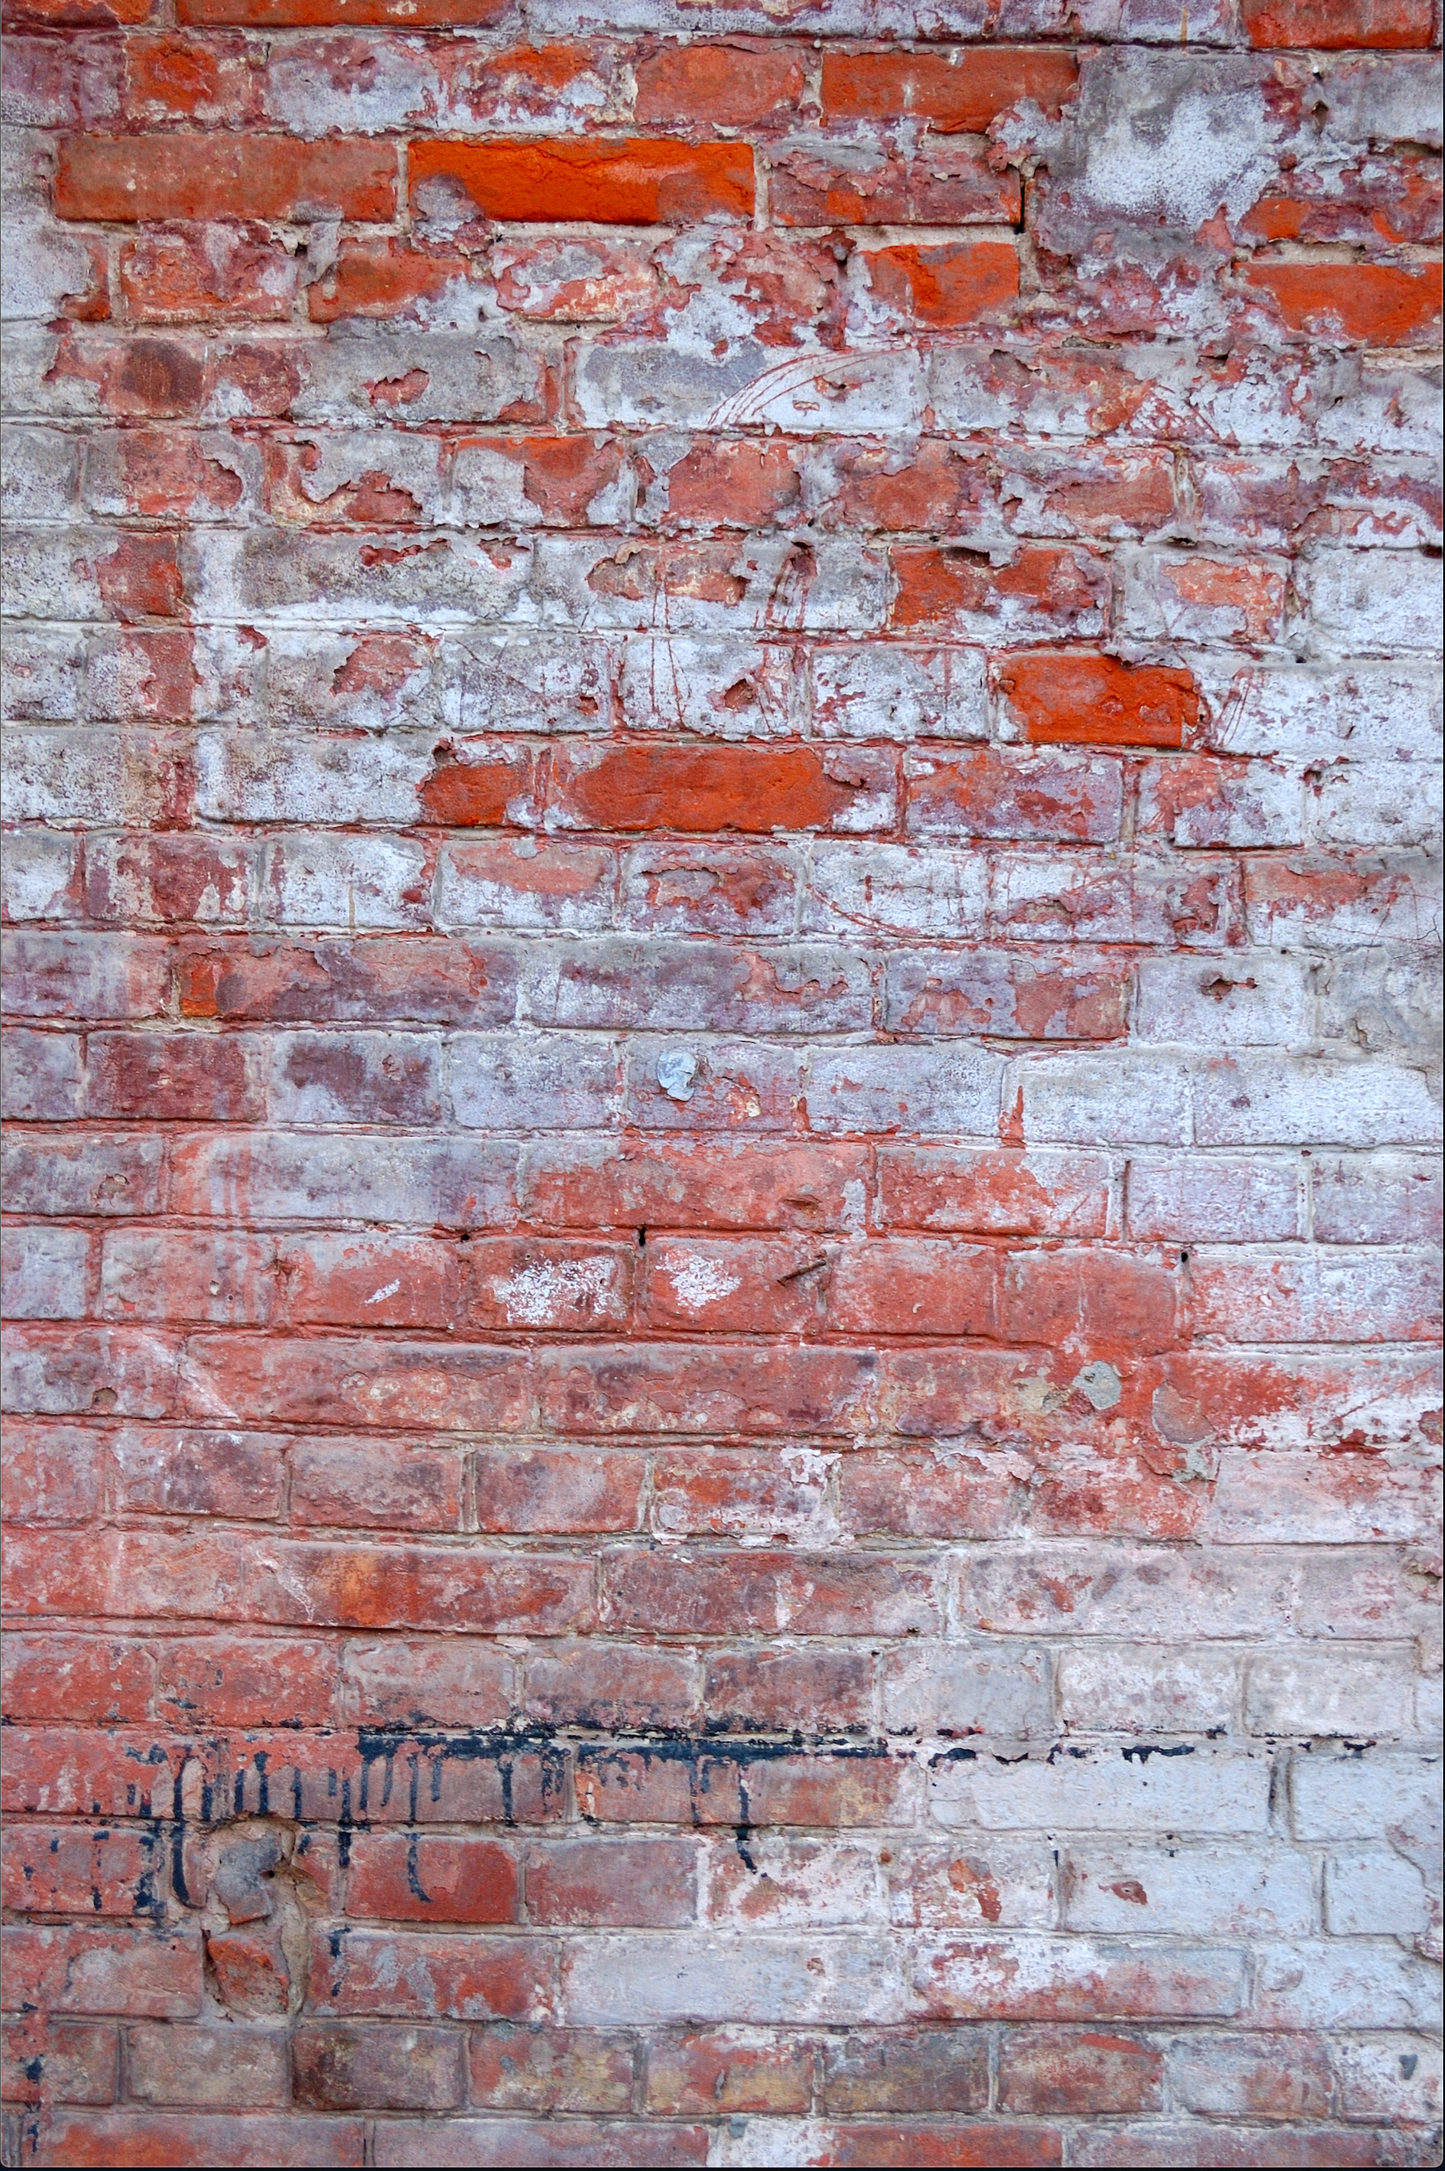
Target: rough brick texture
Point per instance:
(722, 799)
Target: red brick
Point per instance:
(951, 185)
(522, 2141)
(1014, 795)
(699, 790)
(1329, 898)
(958, 283)
(382, 279)
(385, 979)
(1081, 1980)
(258, 2139)
(236, 1474)
(723, 1593)
(832, 1791)
(1094, 700)
(546, 85)
(68, 14)
(438, 1680)
(648, 1786)
(303, 14)
(376, 1484)
(339, 2068)
(532, 1282)
(197, 1078)
(239, 2068)
(683, 1784)
(336, 1381)
(540, 279)
(731, 85)
(894, 1286)
(252, 1970)
(1001, 1193)
(710, 1186)
(733, 1288)
(906, 2070)
(964, 89)
(245, 1681)
(1109, 1300)
(560, 476)
(1074, 1493)
(679, 1224)
(58, 2061)
(1244, 2146)
(76, 1677)
(588, 1883)
(1074, 2073)
(210, 177)
(912, 2142)
(96, 1371)
(638, 183)
(1204, 597)
(549, 2069)
(165, 880)
(405, 1975)
(163, 474)
(394, 1778)
(204, 274)
(1361, 305)
(141, 578)
(1305, 1297)
(741, 485)
(1050, 590)
(1242, 2076)
(150, 1574)
(913, 1496)
(702, 2072)
(611, 1685)
(78, 1771)
(740, 1492)
(1334, 25)
(92, 977)
(464, 792)
(671, 1387)
(80, 1871)
(148, 1974)
(765, 1690)
(392, 1281)
(1395, 200)
(169, 77)
(403, 1878)
(539, 1488)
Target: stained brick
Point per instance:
(636, 183)
(721, 803)
(200, 177)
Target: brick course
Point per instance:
(722, 854)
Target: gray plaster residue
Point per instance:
(1154, 146)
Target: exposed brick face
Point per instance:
(721, 1177)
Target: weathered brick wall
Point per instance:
(721, 800)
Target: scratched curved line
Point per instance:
(1234, 704)
(740, 408)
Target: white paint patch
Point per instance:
(535, 1294)
(1205, 155)
(771, 2141)
(697, 1282)
(389, 1291)
(676, 1071)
